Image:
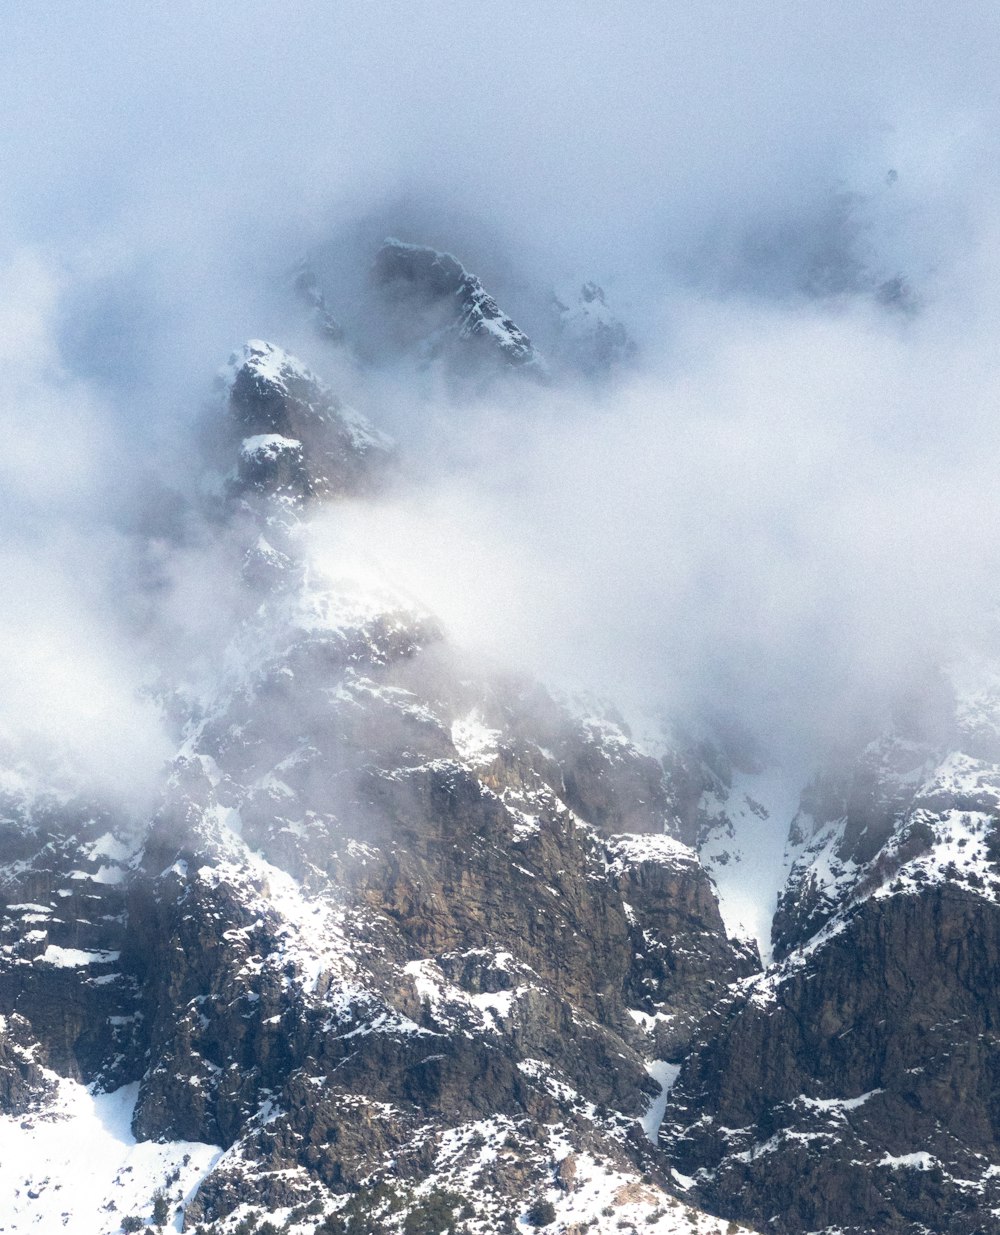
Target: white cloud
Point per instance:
(788, 505)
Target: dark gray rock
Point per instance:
(855, 1087)
(293, 438)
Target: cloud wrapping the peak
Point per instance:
(786, 525)
(787, 505)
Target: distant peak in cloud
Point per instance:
(437, 308)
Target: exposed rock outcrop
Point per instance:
(852, 1087)
(297, 439)
(855, 1087)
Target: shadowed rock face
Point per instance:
(24, 1082)
(854, 1086)
(60, 904)
(857, 1088)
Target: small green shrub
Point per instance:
(363, 1213)
(161, 1207)
(542, 1213)
(433, 1214)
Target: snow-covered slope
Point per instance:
(744, 848)
(74, 1165)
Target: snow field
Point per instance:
(76, 1166)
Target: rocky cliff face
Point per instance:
(853, 1086)
(295, 439)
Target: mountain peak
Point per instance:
(442, 308)
(590, 337)
(297, 438)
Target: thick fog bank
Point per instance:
(780, 511)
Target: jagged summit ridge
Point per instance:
(441, 308)
(423, 304)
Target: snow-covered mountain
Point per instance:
(383, 958)
(422, 308)
(411, 943)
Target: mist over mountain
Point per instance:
(499, 632)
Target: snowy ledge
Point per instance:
(633, 849)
